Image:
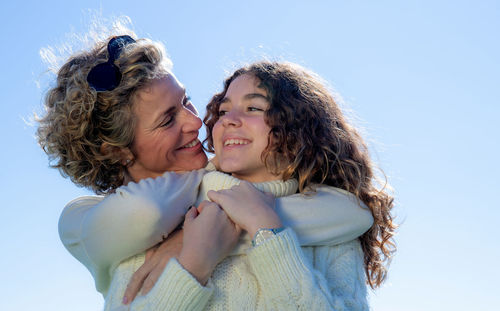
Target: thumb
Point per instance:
(214, 196)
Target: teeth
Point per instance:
(236, 142)
(191, 144)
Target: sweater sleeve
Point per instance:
(328, 217)
(102, 231)
(176, 289)
(290, 282)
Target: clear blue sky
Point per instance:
(422, 77)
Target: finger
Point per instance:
(134, 285)
(223, 200)
(190, 215)
(202, 205)
(152, 278)
(150, 252)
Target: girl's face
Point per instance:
(241, 134)
(166, 134)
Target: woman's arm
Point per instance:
(184, 283)
(101, 232)
(176, 289)
(328, 217)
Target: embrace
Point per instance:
(287, 215)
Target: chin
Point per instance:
(228, 169)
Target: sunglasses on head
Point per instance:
(107, 76)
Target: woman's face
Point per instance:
(241, 133)
(166, 133)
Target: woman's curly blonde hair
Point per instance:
(311, 135)
(79, 120)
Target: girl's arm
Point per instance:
(280, 265)
(102, 231)
(335, 281)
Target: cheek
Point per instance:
(159, 145)
(217, 133)
(263, 131)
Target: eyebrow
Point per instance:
(249, 96)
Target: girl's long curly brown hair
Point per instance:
(310, 134)
(79, 120)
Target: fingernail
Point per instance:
(125, 300)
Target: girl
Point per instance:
(277, 126)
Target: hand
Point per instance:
(157, 258)
(247, 207)
(209, 236)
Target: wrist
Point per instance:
(198, 269)
(265, 233)
(268, 225)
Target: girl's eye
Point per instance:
(221, 113)
(254, 109)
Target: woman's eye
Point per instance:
(167, 122)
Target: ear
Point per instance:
(124, 154)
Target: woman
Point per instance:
(134, 124)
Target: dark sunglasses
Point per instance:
(107, 76)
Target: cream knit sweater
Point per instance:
(102, 231)
(276, 275)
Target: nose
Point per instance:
(190, 120)
(231, 118)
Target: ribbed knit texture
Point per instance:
(276, 275)
(216, 180)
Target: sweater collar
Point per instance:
(216, 180)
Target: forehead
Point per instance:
(160, 95)
(244, 84)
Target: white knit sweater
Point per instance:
(276, 275)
